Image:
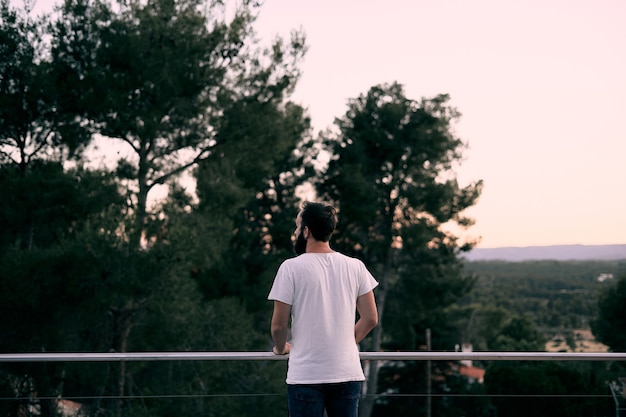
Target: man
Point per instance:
(321, 290)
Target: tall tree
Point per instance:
(24, 124)
(159, 75)
(256, 198)
(610, 324)
(391, 176)
(32, 126)
(162, 77)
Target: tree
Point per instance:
(254, 197)
(536, 387)
(518, 334)
(32, 126)
(24, 123)
(181, 85)
(609, 327)
(558, 297)
(165, 78)
(158, 76)
(76, 297)
(390, 175)
(49, 204)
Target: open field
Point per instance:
(584, 341)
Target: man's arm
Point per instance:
(368, 316)
(280, 324)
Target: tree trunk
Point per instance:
(123, 322)
(141, 216)
(141, 219)
(371, 384)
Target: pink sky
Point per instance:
(541, 86)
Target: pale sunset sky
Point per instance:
(540, 84)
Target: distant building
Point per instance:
(67, 408)
(467, 348)
(472, 373)
(604, 277)
(466, 368)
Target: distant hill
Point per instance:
(557, 253)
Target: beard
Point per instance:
(300, 244)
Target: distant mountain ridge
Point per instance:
(555, 252)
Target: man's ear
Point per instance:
(305, 232)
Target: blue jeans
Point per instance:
(339, 400)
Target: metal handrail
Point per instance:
(255, 356)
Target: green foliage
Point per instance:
(248, 197)
(166, 77)
(522, 389)
(452, 395)
(70, 297)
(609, 325)
(219, 325)
(107, 297)
(556, 297)
(391, 176)
(430, 280)
(507, 309)
(518, 334)
(397, 152)
(180, 83)
(387, 177)
(33, 124)
(48, 204)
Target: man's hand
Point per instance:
(285, 351)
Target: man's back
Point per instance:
(322, 289)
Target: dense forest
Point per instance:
(92, 261)
(556, 296)
(519, 306)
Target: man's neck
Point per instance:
(315, 246)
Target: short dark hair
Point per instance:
(320, 218)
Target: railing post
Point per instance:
(614, 391)
(429, 399)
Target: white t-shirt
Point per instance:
(322, 289)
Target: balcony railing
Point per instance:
(260, 356)
(426, 356)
